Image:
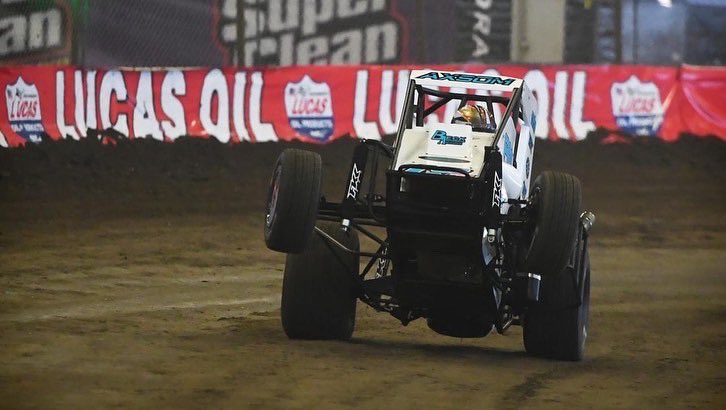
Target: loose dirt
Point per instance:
(136, 275)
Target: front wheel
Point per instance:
(556, 206)
(292, 200)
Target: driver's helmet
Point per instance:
(473, 115)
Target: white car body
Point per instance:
(418, 145)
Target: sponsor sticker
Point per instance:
(309, 108)
(23, 103)
(496, 197)
(466, 78)
(637, 106)
(354, 182)
(445, 139)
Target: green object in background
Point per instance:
(80, 17)
(34, 20)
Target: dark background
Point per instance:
(102, 33)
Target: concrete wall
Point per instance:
(538, 31)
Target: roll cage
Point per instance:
(417, 112)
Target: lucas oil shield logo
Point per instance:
(23, 102)
(637, 106)
(309, 107)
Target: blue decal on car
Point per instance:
(508, 149)
(445, 139)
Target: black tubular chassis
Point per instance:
(403, 218)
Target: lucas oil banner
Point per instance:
(320, 103)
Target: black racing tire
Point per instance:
(556, 327)
(292, 200)
(319, 290)
(556, 199)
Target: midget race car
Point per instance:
(463, 239)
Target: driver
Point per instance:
(473, 115)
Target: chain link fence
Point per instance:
(98, 33)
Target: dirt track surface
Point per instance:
(136, 276)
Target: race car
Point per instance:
(463, 239)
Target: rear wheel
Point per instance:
(556, 327)
(556, 202)
(319, 289)
(292, 200)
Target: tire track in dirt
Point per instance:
(124, 307)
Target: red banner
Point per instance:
(320, 103)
